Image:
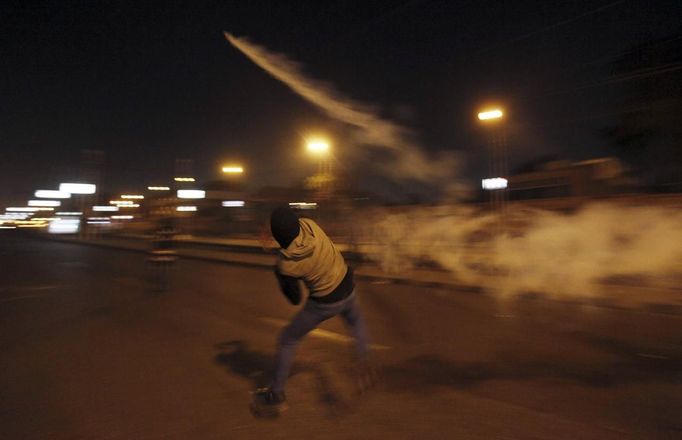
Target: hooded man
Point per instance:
(307, 254)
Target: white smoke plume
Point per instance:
(373, 131)
(583, 254)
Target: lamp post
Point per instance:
(493, 121)
(321, 149)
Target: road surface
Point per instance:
(88, 351)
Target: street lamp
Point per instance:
(318, 146)
(491, 114)
(496, 183)
(321, 148)
(233, 169)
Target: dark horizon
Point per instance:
(148, 85)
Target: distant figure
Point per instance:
(163, 254)
(307, 254)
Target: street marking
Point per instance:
(380, 282)
(324, 334)
(652, 356)
(16, 298)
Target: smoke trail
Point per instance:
(409, 161)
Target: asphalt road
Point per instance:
(88, 351)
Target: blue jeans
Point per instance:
(312, 315)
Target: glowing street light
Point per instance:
(490, 114)
(233, 169)
(318, 146)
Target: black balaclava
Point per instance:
(284, 225)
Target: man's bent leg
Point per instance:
(351, 314)
(305, 321)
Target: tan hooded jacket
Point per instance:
(313, 258)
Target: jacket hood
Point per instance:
(303, 245)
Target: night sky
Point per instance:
(149, 82)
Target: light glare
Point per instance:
(64, 226)
(303, 205)
(43, 203)
(233, 203)
(490, 114)
(52, 194)
(191, 194)
(494, 183)
(233, 169)
(78, 188)
(318, 146)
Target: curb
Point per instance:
(657, 308)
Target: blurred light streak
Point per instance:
(122, 217)
(494, 183)
(8, 227)
(20, 209)
(132, 196)
(186, 208)
(67, 213)
(64, 226)
(158, 188)
(104, 208)
(44, 203)
(184, 179)
(131, 205)
(78, 188)
(120, 202)
(32, 225)
(52, 194)
(191, 194)
(303, 205)
(233, 203)
(98, 218)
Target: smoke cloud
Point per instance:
(409, 162)
(583, 254)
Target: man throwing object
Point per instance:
(308, 254)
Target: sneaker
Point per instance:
(268, 403)
(366, 376)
